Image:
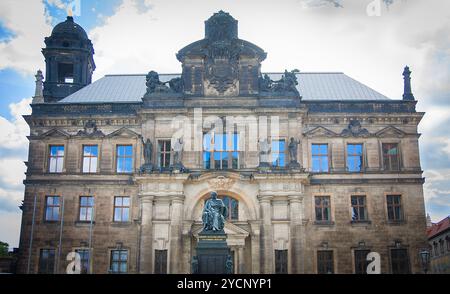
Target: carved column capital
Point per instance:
(265, 199)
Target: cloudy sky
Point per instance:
(369, 40)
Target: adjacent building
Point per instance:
(317, 170)
(439, 240)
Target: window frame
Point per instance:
(162, 269)
(348, 156)
(89, 260)
(328, 260)
(360, 266)
(272, 153)
(164, 153)
(122, 207)
(391, 259)
(320, 156)
(212, 151)
(50, 265)
(46, 206)
(92, 208)
(120, 261)
(359, 206)
(401, 218)
(281, 260)
(322, 207)
(447, 240)
(49, 159)
(383, 162)
(131, 157)
(90, 159)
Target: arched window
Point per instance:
(232, 206)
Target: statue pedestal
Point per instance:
(294, 165)
(146, 168)
(212, 255)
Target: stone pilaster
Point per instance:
(256, 247)
(267, 234)
(176, 234)
(186, 244)
(241, 260)
(146, 239)
(296, 233)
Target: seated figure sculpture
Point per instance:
(214, 215)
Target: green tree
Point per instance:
(4, 248)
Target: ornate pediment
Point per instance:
(124, 133)
(390, 132)
(220, 183)
(55, 133)
(320, 132)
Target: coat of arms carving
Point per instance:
(221, 183)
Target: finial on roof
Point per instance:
(38, 93)
(407, 93)
(429, 223)
(69, 12)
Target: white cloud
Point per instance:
(13, 133)
(57, 3)
(30, 25)
(14, 173)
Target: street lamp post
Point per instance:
(425, 259)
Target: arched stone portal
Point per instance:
(240, 235)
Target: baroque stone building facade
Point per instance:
(316, 169)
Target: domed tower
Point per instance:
(69, 60)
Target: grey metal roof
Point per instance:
(312, 87)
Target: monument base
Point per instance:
(213, 255)
(146, 168)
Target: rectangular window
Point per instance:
(361, 262)
(323, 209)
(124, 158)
(325, 263)
(441, 246)
(435, 248)
(52, 208)
(86, 208)
(160, 261)
(56, 159)
(220, 151)
(448, 243)
(400, 261)
(164, 151)
(85, 260)
(121, 209)
(46, 261)
(119, 261)
(281, 257)
(90, 158)
(278, 153)
(394, 208)
(354, 157)
(319, 157)
(391, 156)
(359, 208)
